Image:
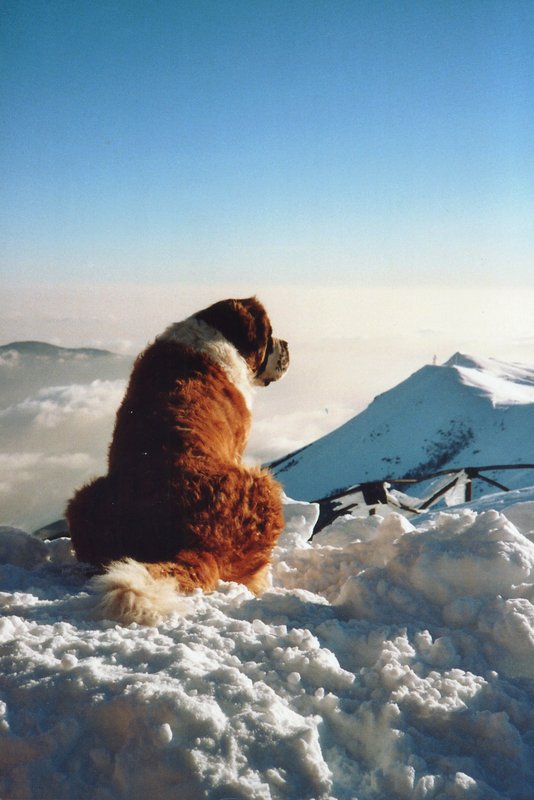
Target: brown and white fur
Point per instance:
(178, 510)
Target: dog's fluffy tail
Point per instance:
(130, 593)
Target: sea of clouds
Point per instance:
(347, 345)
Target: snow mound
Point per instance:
(387, 660)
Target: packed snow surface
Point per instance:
(388, 660)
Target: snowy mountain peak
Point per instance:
(468, 412)
(462, 360)
(505, 384)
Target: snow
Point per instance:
(468, 412)
(390, 659)
(504, 384)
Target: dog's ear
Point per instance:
(252, 320)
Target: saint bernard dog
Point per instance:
(178, 510)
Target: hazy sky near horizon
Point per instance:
(267, 142)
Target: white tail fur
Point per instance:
(130, 594)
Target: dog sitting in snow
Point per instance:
(178, 510)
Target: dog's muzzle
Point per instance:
(275, 363)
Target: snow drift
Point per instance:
(387, 660)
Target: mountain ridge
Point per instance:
(28, 366)
(39, 348)
(468, 411)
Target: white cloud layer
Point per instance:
(34, 486)
(124, 317)
(57, 404)
(51, 443)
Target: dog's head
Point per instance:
(246, 325)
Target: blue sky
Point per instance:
(288, 142)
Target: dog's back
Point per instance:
(177, 498)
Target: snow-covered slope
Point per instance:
(387, 661)
(467, 412)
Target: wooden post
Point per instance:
(468, 490)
